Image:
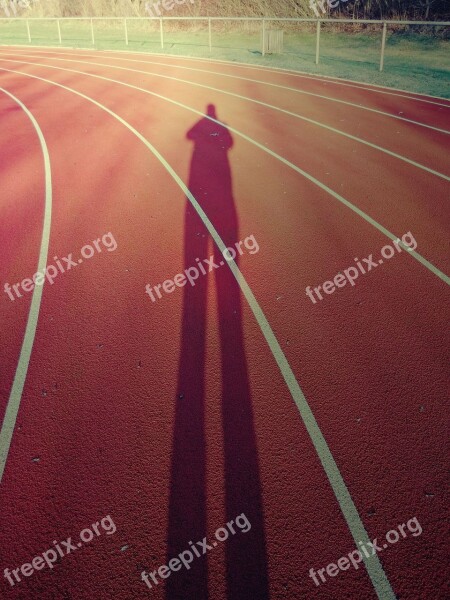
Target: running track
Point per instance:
(324, 423)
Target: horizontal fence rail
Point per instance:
(286, 19)
(264, 21)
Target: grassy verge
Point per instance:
(417, 63)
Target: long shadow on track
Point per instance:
(210, 182)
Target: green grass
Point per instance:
(413, 62)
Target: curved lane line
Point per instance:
(375, 88)
(310, 178)
(295, 90)
(346, 504)
(15, 397)
(382, 89)
(265, 104)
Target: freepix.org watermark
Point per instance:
(351, 274)
(64, 264)
(197, 550)
(355, 557)
(154, 8)
(193, 273)
(61, 549)
(11, 7)
(331, 3)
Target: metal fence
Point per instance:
(210, 20)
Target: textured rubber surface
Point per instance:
(173, 417)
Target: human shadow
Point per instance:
(210, 182)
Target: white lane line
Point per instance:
(297, 91)
(310, 178)
(359, 85)
(265, 104)
(12, 408)
(346, 504)
(382, 89)
(327, 79)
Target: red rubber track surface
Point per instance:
(173, 417)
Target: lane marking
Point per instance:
(374, 87)
(297, 91)
(319, 78)
(266, 105)
(286, 162)
(345, 501)
(15, 397)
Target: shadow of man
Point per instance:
(210, 182)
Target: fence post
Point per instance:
(28, 31)
(210, 34)
(318, 43)
(383, 45)
(59, 31)
(263, 37)
(92, 32)
(126, 32)
(161, 29)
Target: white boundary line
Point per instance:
(345, 501)
(300, 74)
(303, 92)
(312, 179)
(12, 408)
(315, 77)
(265, 104)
